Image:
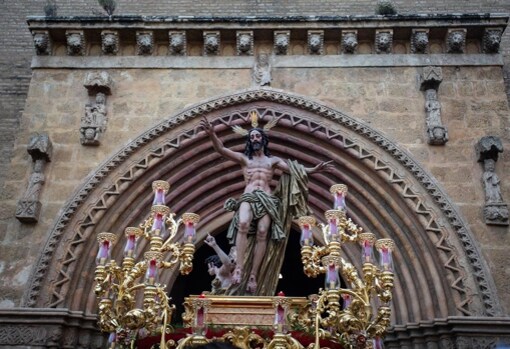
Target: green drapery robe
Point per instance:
(288, 201)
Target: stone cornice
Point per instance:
(316, 36)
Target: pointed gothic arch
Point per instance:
(437, 262)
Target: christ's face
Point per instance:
(256, 140)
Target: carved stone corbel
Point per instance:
(437, 133)
(42, 42)
(244, 41)
(281, 42)
(492, 40)
(316, 42)
(349, 41)
(110, 42)
(420, 41)
(93, 123)
(456, 40)
(177, 43)
(262, 70)
(144, 43)
(383, 40)
(29, 207)
(495, 211)
(75, 40)
(211, 43)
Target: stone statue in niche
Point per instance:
(437, 133)
(495, 210)
(94, 121)
(29, 207)
(262, 70)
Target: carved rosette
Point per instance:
(110, 42)
(144, 43)
(244, 43)
(316, 42)
(42, 42)
(491, 40)
(281, 42)
(349, 41)
(420, 41)
(456, 40)
(75, 41)
(177, 43)
(211, 43)
(383, 40)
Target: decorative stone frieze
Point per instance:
(42, 42)
(492, 40)
(437, 133)
(281, 42)
(456, 40)
(29, 207)
(211, 43)
(349, 41)
(262, 70)
(244, 43)
(75, 40)
(144, 43)
(495, 210)
(420, 41)
(110, 42)
(383, 40)
(316, 42)
(177, 43)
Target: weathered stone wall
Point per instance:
(389, 99)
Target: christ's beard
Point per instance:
(256, 146)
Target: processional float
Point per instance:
(132, 303)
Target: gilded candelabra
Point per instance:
(357, 316)
(129, 307)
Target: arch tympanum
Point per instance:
(437, 261)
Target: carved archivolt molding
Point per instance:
(469, 283)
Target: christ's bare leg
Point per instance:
(245, 217)
(259, 252)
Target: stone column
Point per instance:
(431, 78)
(495, 210)
(29, 207)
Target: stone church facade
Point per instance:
(412, 109)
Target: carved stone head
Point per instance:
(177, 43)
(492, 40)
(75, 43)
(211, 43)
(456, 41)
(42, 43)
(281, 43)
(315, 43)
(144, 43)
(109, 43)
(383, 41)
(420, 42)
(244, 43)
(349, 42)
